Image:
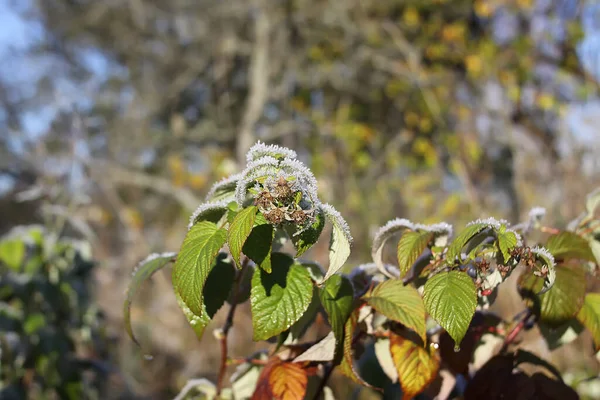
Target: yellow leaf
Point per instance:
(474, 64)
(416, 367)
(197, 181)
(411, 16)
(545, 101)
(281, 380)
(347, 365)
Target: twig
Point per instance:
(547, 229)
(512, 335)
(222, 335)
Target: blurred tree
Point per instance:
(433, 109)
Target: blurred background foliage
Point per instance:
(117, 116)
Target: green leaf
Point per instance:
(239, 230)
(507, 241)
(400, 303)
(258, 246)
(564, 300)
(200, 247)
(450, 298)
(298, 329)
(462, 239)
(218, 284)
(216, 290)
(307, 238)
(589, 316)
(339, 244)
(410, 247)
(34, 323)
(142, 272)
(337, 297)
(278, 299)
(12, 253)
(566, 245)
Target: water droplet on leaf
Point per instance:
(456, 348)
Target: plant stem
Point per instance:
(222, 335)
(512, 335)
(323, 383)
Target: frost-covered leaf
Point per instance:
(390, 229)
(260, 149)
(211, 212)
(589, 316)
(239, 230)
(224, 189)
(566, 245)
(541, 278)
(399, 303)
(410, 247)
(547, 268)
(415, 366)
(450, 298)
(281, 380)
(309, 236)
(200, 247)
(144, 270)
(339, 245)
(278, 299)
(337, 298)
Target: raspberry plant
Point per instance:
(424, 313)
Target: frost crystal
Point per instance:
(545, 254)
(153, 257)
(304, 176)
(230, 180)
(260, 150)
(442, 228)
(392, 226)
(266, 165)
(490, 222)
(206, 207)
(336, 218)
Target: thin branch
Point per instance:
(222, 335)
(512, 335)
(118, 175)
